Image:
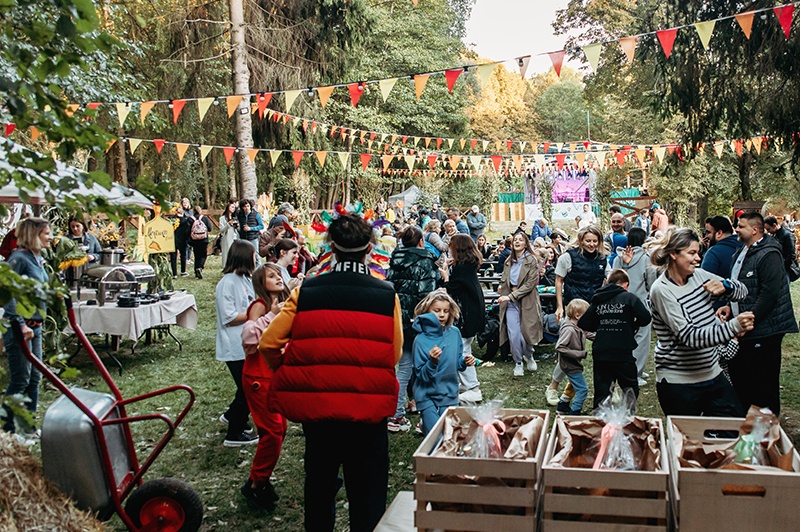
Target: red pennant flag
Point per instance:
(432, 160)
(356, 90)
(333, 130)
(620, 155)
(546, 147)
(439, 143)
(276, 117)
(737, 144)
(93, 105)
(560, 159)
(228, 151)
(671, 149)
(451, 76)
(557, 58)
(285, 118)
(365, 157)
(177, 107)
(372, 136)
(667, 39)
(263, 102)
(297, 156)
(784, 15)
(509, 143)
(304, 125)
(473, 143)
(496, 160)
(586, 144)
(159, 144)
(10, 129)
(342, 133)
(404, 139)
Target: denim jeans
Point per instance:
(405, 370)
(254, 243)
(23, 377)
(581, 392)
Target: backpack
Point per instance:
(199, 229)
(794, 271)
(430, 247)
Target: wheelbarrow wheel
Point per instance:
(165, 505)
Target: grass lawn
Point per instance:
(197, 456)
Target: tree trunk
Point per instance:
(121, 163)
(745, 164)
(206, 190)
(241, 85)
(234, 193)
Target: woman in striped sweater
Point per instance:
(688, 375)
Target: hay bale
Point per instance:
(28, 501)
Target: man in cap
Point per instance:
(476, 222)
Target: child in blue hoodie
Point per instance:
(437, 356)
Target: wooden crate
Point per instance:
(638, 500)
(522, 499)
(706, 499)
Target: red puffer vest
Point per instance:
(339, 364)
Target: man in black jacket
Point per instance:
(785, 238)
(615, 315)
(755, 370)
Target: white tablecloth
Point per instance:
(180, 310)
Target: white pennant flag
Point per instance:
(475, 160)
(133, 144)
(122, 113)
(344, 158)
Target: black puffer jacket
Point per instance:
(464, 287)
(414, 274)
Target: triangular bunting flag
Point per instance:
(592, 53)
(660, 151)
(133, 144)
(386, 86)
(704, 31)
(718, 147)
(410, 160)
(202, 106)
(295, 120)
(757, 142)
(432, 160)
(291, 96)
(559, 146)
(485, 145)
(159, 144)
(427, 142)
(580, 157)
(324, 94)
(251, 154)
(560, 159)
(667, 39)
(496, 160)
(484, 72)
(70, 110)
(472, 144)
(463, 143)
(344, 158)
(144, 110)
(745, 21)
(356, 90)
(538, 159)
(509, 144)
(204, 151)
(784, 15)
(263, 102)
(34, 133)
(523, 63)
(737, 147)
(110, 143)
(620, 155)
(546, 147)
(557, 58)
(517, 162)
(475, 160)
(640, 155)
(228, 151)
(273, 156)
(600, 157)
(450, 143)
(177, 107)
(628, 45)
(451, 76)
(232, 103)
(181, 148)
(93, 105)
(522, 144)
(454, 160)
(386, 160)
(297, 156)
(439, 141)
(365, 158)
(122, 113)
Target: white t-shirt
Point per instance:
(564, 264)
(234, 295)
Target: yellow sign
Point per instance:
(159, 236)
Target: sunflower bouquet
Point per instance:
(107, 234)
(68, 254)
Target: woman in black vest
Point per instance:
(579, 273)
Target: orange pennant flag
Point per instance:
(356, 90)
(177, 107)
(233, 103)
(454, 160)
(463, 142)
(34, 133)
(517, 162)
(628, 45)
(297, 156)
(581, 158)
(71, 108)
(420, 80)
(784, 15)
(321, 156)
(365, 158)
(667, 40)
(557, 59)
(228, 151)
(745, 21)
(324, 94)
(387, 160)
(451, 76)
(251, 154)
(181, 148)
(159, 144)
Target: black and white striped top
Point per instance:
(688, 331)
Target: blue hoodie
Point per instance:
(436, 382)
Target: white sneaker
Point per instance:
(552, 396)
(644, 375)
(532, 364)
(518, 371)
(642, 382)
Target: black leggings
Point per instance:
(200, 248)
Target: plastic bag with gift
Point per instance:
(750, 448)
(615, 447)
(485, 442)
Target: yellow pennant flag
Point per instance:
(204, 151)
(454, 160)
(463, 143)
(273, 156)
(640, 154)
(133, 144)
(414, 141)
(497, 145)
(232, 103)
(122, 112)
(181, 148)
(757, 141)
(324, 94)
(291, 96)
(71, 108)
(592, 53)
(202, 106)
(660, 151)
(704, 31)
(484, 73)
(420, 80)
(386, 160)
(251, 154)
(475, 160)
(344, 158)
(321, 156)
(386, 86)
(427, 142)
(628, 45)
(410, 160)
(145, 109)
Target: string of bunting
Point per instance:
(666, 38)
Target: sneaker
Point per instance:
(644, 375)
(198, 274)
(641, 382)
(398, 424)
(551, 395)
(532, 364)
(575, 413)
(247, 428)
(418, 428)
(470, 397)
(563, 407)
(240, 440)
(263, 497)
(184, 274)
(518, 371)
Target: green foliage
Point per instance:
(562, 112)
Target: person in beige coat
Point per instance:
(520, 310)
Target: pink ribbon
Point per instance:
(493, 431)
(605, 439)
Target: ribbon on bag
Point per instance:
(493, 431)
(605, 438)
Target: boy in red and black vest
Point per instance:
(342, 334)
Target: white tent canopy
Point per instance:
(408, 197)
